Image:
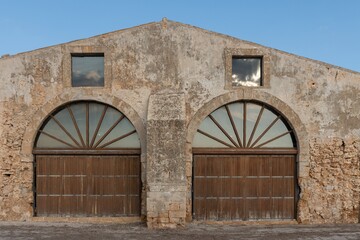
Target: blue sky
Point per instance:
(325, 30)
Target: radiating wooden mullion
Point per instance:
(214, 138)
(98, 126)
(233, 125)
(63, 128)
(117, 139)
(87, 125)
(108, 131)
(76, 125)
(265, 131)
(244, 124)
(273, 139)
(255, 127)
(223, 130)
(57, 139)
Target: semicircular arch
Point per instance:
(39, 116)
(243, 125)
(86, 125)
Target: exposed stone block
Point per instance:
(331, 192)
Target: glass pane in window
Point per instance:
(221, 116)
(131, 141)
(209, 127)
(79, 112)
(45, 141)
(95, 113)
(121, 129)
(203, 141)
(237, 113)
(267, 118)
(65, 119)
(283, 142)
(111, 117)
(87, 71)
(252, 113)
(246, 72)
(276, 130)
(52, 128)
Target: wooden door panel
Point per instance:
(244, 187)
(87, 185)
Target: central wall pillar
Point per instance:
(166, 177)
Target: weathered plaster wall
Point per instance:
(171, 59)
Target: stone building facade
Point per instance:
(166, 78)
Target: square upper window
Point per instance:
(247, 68)
(87, 70)
(246, 71)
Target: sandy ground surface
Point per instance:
(72, 231)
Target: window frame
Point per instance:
(70, 51)
(231, 53)
(87, 55)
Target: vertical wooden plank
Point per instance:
(52, 205)
(198, 189)
(246, 186)
(48, 187)
(102, 200)
(199, 208)
(85, 187)
(127, 169)
(131, 184)
(197, 171)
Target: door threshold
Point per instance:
(247, 222)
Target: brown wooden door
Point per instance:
(244, 187)
(79, 185)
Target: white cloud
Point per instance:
(93, 76)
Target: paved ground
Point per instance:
(70, 231)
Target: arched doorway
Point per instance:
(244, 164)
(87, 163)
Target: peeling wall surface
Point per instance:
(166, 77)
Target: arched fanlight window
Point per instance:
(244, 125)
(87, 125)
